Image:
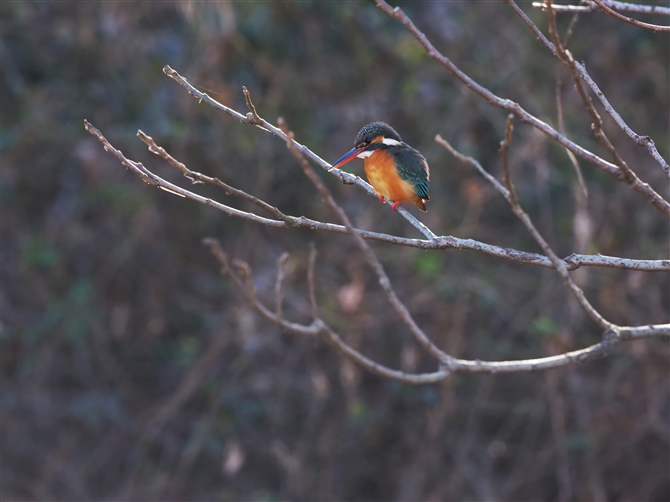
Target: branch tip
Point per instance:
(252, 116)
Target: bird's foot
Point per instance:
(381, 199)
(395, 205)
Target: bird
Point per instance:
(395, 170)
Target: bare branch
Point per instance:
(197, 177)
(637, 332)
(504, 146)
(250, 294)
(630, 20)
(644, 141)
(561, 124)
(378, 369)
(575, 260)
(455, 365)
(622, 6)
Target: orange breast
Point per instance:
(384, 178)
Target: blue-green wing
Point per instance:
(412, 166)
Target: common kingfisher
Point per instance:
(395, 170)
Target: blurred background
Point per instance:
(131, 370)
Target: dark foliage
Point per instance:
(132, 371)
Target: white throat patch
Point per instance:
(390, 141)
(364, 154)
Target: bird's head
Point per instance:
(377, 135)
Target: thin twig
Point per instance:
(622, 6)
(469, 160)
(502, 151)
(559, 109)
(197, 177)
(242, 285)
(644, 141)
(252, 116)
(630, 20)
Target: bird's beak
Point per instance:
(351, 154)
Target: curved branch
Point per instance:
(455, 365)
(622, 6)
(630, 20)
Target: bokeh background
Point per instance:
(131, 370)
